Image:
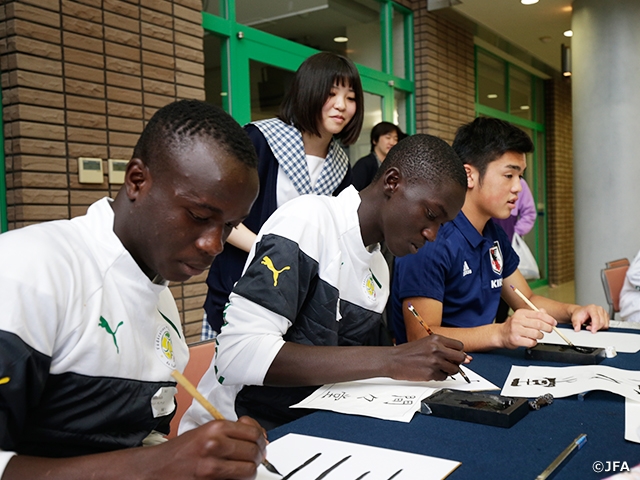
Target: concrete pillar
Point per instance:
(606, 138)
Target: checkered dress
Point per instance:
(286, 144)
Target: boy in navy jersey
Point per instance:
(456, 282)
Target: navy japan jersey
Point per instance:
(462, 269)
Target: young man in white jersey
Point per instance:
(89, 331)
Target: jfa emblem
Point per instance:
(496, 258)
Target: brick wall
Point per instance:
(559, 180)
(445, 80)
(80, 78)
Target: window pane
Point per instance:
(491, 86)
(268, 86)
(211, 6)
(520, 93)
(400, 111)
(398, 44)
(372, 116)
(318, 23)
(212, 71)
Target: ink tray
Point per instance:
(476, 407)
(565, 354)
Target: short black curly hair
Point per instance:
(183, 120)
(426, 158)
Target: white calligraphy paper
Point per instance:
(622, 342)
(623, 324)
(386, 398)
(566, 381)
(632, 420)
(292, 450)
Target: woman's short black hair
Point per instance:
(311, 86)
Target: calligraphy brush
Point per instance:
(193, 391)
(533, 307)
(430, 332)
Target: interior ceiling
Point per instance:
(525, 25)
(537, 29)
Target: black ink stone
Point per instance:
(565, 354)
(476, 407)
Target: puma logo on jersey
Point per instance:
(104, 324)
(4, 380)
(466, 270)
(276, 273)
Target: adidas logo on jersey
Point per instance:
(466, 270)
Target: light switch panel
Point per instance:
(117, 169)
(90, 170)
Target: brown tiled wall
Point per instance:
(80, 78)
(445, 82)
(559, 180)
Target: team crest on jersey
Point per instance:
(164, 347)
(266, 261)
(369, 285)
(495, 254)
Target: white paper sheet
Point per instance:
(292, 450)
(632, 420)
(623, 324)
(386, 398)
(622, 342)
(566, 381)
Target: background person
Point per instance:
(523, 216)
(89, 330)
(298, 154)
(384, 136)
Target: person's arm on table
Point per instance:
(432, 358)
(217, 450)
(521, 330)
(252, 351)
(594, 316)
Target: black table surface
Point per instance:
(488, 452)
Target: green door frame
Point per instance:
(539, 157)
(241, 43)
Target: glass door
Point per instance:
(252, 49)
